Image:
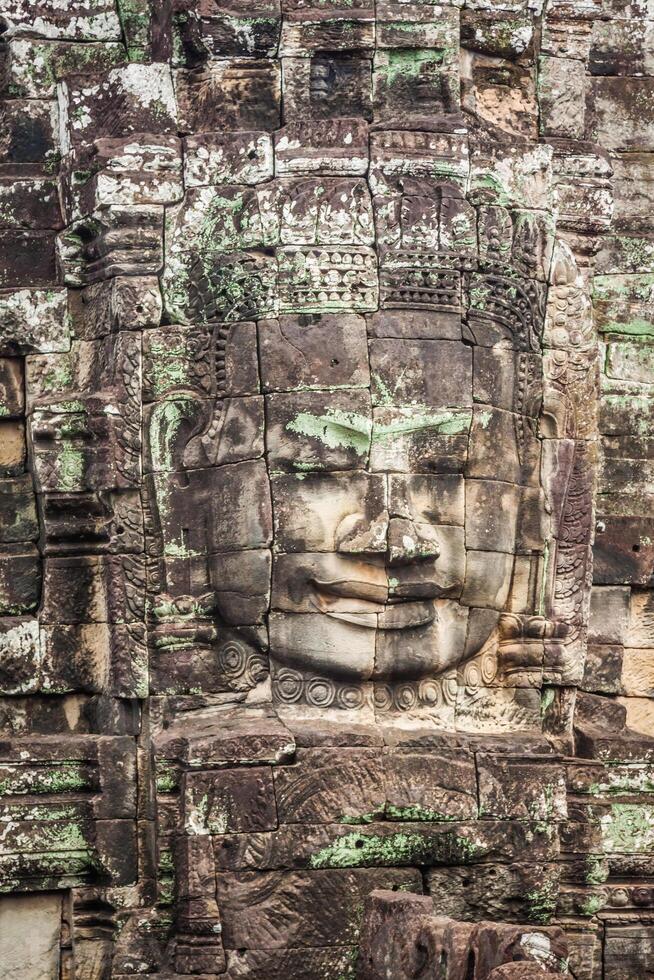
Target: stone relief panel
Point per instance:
(325, 488)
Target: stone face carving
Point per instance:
(387, 462)
(325, 488)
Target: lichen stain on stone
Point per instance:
(408, 847)
(628, 827)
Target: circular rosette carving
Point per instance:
(430, 693)
(427, 695)
(450, 688)
(349, 697)
(383, 697)
(288, 686)
(482, 671)
(232, 659)
(472, 675)
(488, 667)
(320, 692)
(405, 697)
(242, 667)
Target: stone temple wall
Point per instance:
(326, 467)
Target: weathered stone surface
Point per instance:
(264, 911)
(562, 97)
(229, 802)
(319, 430)
(295, 352)
(256, 736)
(400, 787)
(231, 93)
(35, 66)
(327, 84)
(510, 893)
(31, 935)
(383, 843)
(326, 382)
(89, 22)
(238, 158)
(405, 933)
(141, 94)
(623, 552)
(313, 790)
(338, 146)
(125, 171)
(620, 113)
(603, 668)
(628, 949)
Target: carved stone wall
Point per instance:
(326, 467)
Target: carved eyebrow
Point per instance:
(446, 422)
(339, 429)
(336, 429)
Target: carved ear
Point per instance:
(171, 426)
(203, 440)
(556, 417)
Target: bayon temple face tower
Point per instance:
(326, 489)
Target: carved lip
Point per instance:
(378, 611)
(407, 615)
(352, 589)
(400, 616)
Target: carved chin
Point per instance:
(411, 640)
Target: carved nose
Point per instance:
(410, 541)
(402, 540)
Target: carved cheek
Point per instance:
(357, 533)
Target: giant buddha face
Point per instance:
(344, 442)
(396, 512)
